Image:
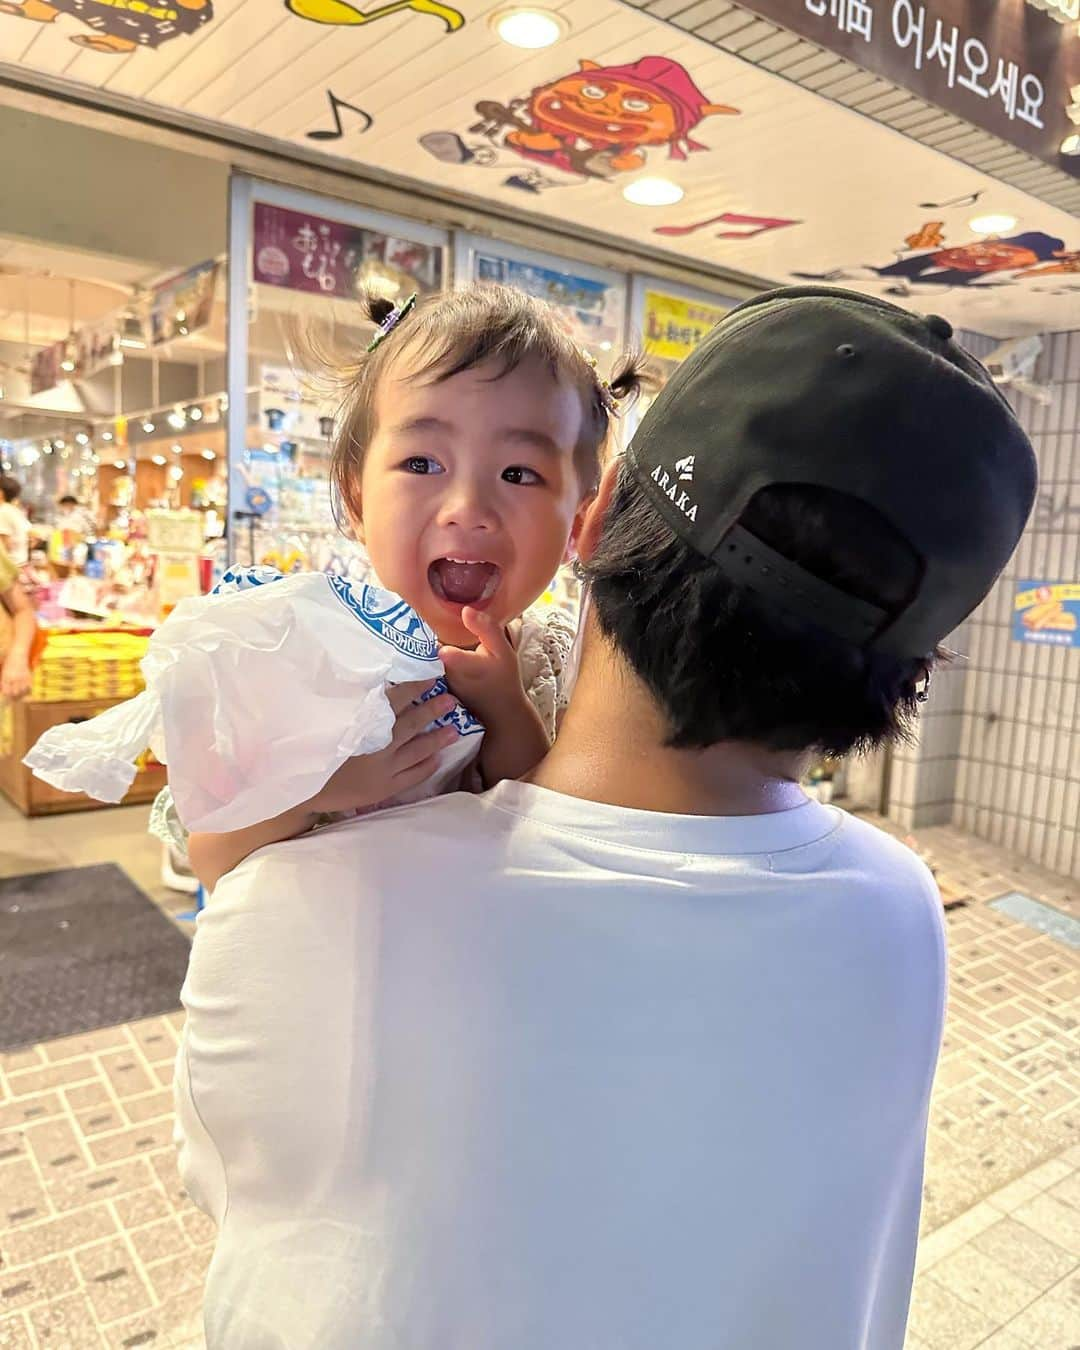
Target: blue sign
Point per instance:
(1047, 613)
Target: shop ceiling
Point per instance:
(776, 181)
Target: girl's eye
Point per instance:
(593, 91)
(422, 464)
(633, 104)
(518, 474)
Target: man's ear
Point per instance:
(594, 513)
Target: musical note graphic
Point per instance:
(745, 227)
(336, 104)
(969, 200)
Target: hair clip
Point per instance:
(607, 396)
(391, 321)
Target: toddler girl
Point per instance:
(468, 447)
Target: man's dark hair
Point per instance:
(721, 665)
(10, 488)
(68, 500)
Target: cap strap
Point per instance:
(745, 560)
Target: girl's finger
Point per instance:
(416, 717)
(419, 773)
(425, 746)
(492, 635)
(401, 695)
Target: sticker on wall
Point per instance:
(340, 14)
(1047, 613)
(336, 132)
(597, 122)
(982, 263)
(118, 26)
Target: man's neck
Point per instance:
(610, 748)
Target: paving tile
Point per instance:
(1004, 1340)
(142, 1207)
(33, 1242)
(147, 1137)
(56, 1148)
(15, 1333)
(1027, 1254)
(1068, 1190)
(953, 1235)
(127, 1075)
(104, 1183)
(24, 1197)
(86, 1043)
(32, 1080)
(944, 1321)
(985, 1283)
(88, 1094)
(159, 1241)
(199, 1227)
(66, 1324)
(100, 1119)
(17, 1114)
(113, 1284)
(1052, 1322)
(180, 1273)
(39, 1283)
(1052, 1219)
(153, 1106)
(156, 1038)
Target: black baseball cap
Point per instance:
(814, 385)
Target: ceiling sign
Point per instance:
(1003, 67)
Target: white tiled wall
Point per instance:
(999, 748)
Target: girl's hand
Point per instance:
(410, 758)
(487, 679)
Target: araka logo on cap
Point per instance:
(669, 485)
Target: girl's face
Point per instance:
(469, 491)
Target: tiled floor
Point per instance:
(102, 1248)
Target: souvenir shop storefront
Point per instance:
(184, 199)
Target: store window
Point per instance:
(311, 261)
(669, 321)
(591, 300)
(112, 371)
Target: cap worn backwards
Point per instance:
(817, 386)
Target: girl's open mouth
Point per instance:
(464, 581)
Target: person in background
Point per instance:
(14, 527)
(18, 627)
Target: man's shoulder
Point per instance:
(392, 835)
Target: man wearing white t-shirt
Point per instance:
(14, 527)
(636, 1055)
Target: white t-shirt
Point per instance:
(14, 533)
(525, 1072)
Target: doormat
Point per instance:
(83, 948)
(1042, 917)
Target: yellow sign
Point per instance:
(673, 327)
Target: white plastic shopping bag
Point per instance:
(256, 695)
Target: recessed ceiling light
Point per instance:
(157, 459)
(529, 28)
(653, 192)
(148, 426)
(993, 224)
(119, 464)
(209, 454)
